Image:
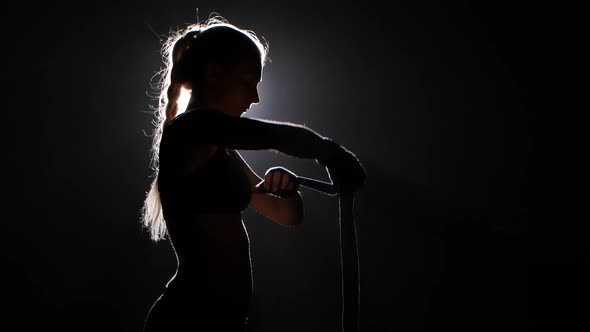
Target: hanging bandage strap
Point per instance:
(348, 251)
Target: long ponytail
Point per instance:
(170, 87)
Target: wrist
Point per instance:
(329, 150)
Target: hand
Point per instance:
(344, 168)
(280, 181)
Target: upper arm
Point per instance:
(178, 157)
(213, 127)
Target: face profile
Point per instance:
(232, 90)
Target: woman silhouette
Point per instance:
(201, 183)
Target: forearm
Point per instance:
(302, 142)
(283, 211)
(293, 209)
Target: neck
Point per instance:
(196, 103)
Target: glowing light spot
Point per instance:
(183, 99)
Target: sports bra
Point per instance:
(219, 185)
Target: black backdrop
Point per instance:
(472, 218)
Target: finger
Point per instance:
(290, 188)
(276, 181)
(285, 180)
(268, 182)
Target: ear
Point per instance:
(212, 71)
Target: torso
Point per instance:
(213, 253)
(202, 210)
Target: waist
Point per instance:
(232, 284)
(210, 244)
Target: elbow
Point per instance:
(295, 219)
(291, 212)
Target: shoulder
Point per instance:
(201, 119)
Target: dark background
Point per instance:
(473, 217)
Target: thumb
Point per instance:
(259, 188)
